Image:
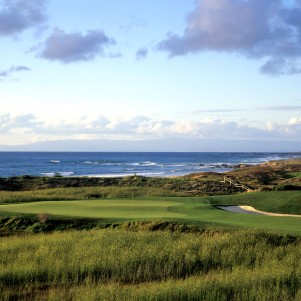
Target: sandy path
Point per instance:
(252, 210)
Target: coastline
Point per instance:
(128, 164)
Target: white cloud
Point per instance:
(294, 121)
(153, 127)
(186, 127)
(290, 130)
(8, 122)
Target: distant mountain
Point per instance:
(160, 145)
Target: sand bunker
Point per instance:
(252, 210)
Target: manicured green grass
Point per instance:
(296, 174)
(179, 209)
(272, 201)
(102, 208)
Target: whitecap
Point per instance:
(48, 174)
(149, 174)
(107, 175)
(65, 173)
(61, 173)
(148, 163)
(55, 161)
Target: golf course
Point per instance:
(139, 238)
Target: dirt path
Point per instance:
(252, 210)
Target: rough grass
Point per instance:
(124, 265)
(79, 193)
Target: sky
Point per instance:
(152, 69)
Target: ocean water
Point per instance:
(122, 164)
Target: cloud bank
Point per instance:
(19, 15)
(257, 29)
(140, 127)
(74, 47)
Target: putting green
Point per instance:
(104, 208)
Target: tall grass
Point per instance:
(123, 265)
(79, 193)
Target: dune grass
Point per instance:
(124, 265)
(80, 193)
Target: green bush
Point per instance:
(286, 187)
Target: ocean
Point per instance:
(116, 164)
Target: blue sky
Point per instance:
(205, 69)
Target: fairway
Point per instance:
(179, 209)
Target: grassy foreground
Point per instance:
(124, 265)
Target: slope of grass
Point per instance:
(272, 201)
